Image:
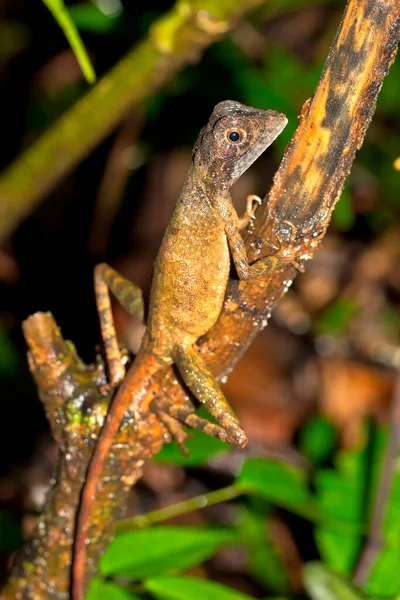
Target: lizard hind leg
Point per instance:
(131, 298)
(203, 385)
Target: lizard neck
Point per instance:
(206, 183)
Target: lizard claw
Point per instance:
(252, 204)
(254, 198)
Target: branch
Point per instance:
(176, 39)
(75, 408)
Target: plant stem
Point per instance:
(181, 508)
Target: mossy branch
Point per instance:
(75, 407)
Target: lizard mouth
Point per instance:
(274, 126)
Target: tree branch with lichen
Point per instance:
(75, 406)
(291, 224)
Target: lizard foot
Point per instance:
(173, 426)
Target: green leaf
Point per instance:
(187, 588)
(318, 439)
(344, 496)
(201, 447)
(149, 552)
(105, 590)
(280, 483)
(323, 584)
(61, 15)
(88, 17)
(264, 562)
(341, 495)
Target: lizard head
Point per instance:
(234, 138)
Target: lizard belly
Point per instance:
(188, 292)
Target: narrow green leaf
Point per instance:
(150, 552)
(105, 590)
(200, 446)
(187, 588)
(61, 15)
(323, 584)
(280, 483)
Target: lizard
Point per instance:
(188, 287)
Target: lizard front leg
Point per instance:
(233, 224)
(131, 298)
(203, 385)
(252, 203)
(239, 256)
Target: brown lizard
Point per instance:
(189, 283)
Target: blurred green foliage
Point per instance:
(318, 440)
(324, 584)
(88, 17)
(337, 500)
(338, 317)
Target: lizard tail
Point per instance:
(129, 394)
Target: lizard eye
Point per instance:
(234, 136)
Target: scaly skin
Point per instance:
(188, 289)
